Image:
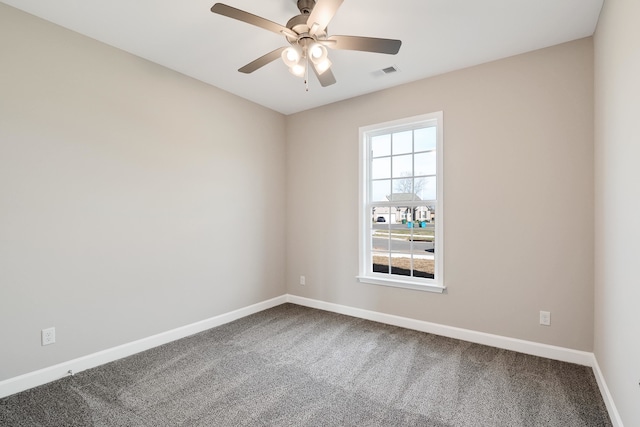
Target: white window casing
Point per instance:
(401, 203)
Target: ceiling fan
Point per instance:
(308, 39)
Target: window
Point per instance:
(401, 203)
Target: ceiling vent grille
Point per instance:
(383, 72)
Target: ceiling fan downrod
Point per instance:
(306, 6)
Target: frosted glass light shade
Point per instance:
(297, 70)
(292, 55)
(323, 66)
(317, 53)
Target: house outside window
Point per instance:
(401, 203)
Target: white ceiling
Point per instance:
(437, 36)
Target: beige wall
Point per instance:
(518, 150)
(133, 199)
(117, 177)
(617, 223)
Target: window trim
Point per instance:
(366, 275)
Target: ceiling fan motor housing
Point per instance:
(300, 23)
(306, 6)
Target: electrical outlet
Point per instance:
(303, 280)
(545, 318)
(48, 336)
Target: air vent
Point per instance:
(383, 72)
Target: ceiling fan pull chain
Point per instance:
(306, 74)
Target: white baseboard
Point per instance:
(52, 373)
(528, 347)
(606, 395)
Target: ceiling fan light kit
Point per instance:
(308, 39)
(292, 56)
(297, 57)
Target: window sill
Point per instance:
(426, 287)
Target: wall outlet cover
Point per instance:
(545, 318)
(48, 336)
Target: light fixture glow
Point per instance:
(297, 70)
(317, 53)
(323, 66)
(297, 57)
(292, 55)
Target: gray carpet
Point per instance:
(295, 366)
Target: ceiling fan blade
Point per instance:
(322, 13)
(262, 61)
(326, 79)
(366, 44)
(241, 15)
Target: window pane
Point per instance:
(401, 264)
(424, 214)
(380, 240)
(380, 262)
(425, 139)
(424, 267)
(425, 188)
(380, 190)
(381, 168)
(425, 163)
(423, 241)
(431, 213)
(402, 190)
(399, 217)
(424, 220)
(402, 166)
(382, 216)
(402, 142)
(381, 145)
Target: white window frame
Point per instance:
(366, 273)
